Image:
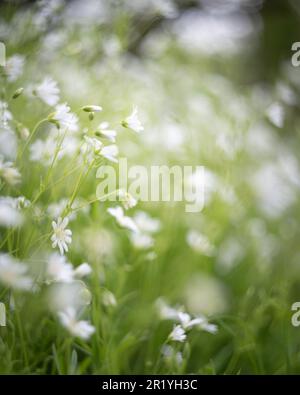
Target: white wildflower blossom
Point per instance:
(82, 329)
(14, 67)
(82, 270)
(199, 243)
(141, 241)
(128, 201)
(10, 174)
(5, 114)
(91, 145)
(185, 320)
(8, 141)
(108, 298)
(106, 133)
(13, 273)
(110, 152)
(61, 236)
(9, 214)
(48, 91)
(132, 122)
(178, 334)
(275, 114)
(58, 269)
(65, 118)
(146, 223)
(43, 151)
(123, 220)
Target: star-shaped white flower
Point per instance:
(61, 236)
(123, 220)
(132, 122)
(82, 329)
(178, 334)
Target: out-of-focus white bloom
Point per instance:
(110, 152)
(58, 269)
(8, 142)
(10, 174)
(65, 118)
(108, 298)
(55, 210)
(133, 122)
(230, 253)
(275, 113)
(178, 334)
(185, 320)
(199, 242)
(82, 329)
(141, 241)
(61, 295)
(48, 91)
(5, 114)
(127, 199)
(123, 220)
(92, 145)
(13, 273)
(9, 214)
(206, 295)
(14, 67)
(43, 151)
(171, 354)
(145, 223)
(82, 270)
(61, 236)
(201, 322)
(165, 311)
(106, 133)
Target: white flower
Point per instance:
(178, 334)
(106, 133)
(65, 118)
(48, 91)
(58, 269)
(92, 145)
(201, 322)
(14, 67)
(9, 214)
(5, 114)
(133, 122)
(13, 273)
(44, 150)
(9, 173)
(199, 243)
(83, 270)
(145, 223)
(275, 114)
(61, 236)
(108, 298)
(8, 140)
(141, 241)
(110, 152)
(127, 199)
(82, 329)
(184, 319)
(123, 221)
